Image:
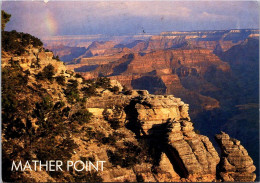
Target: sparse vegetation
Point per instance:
(114, 123)
(110, 140)
(126, 157)
(60, 80)
(46, 73)
(82, 116)
(72, 92)
(18, 114)
(5, 17)
(89, 90)
(78, 76)
(139, 178)
(103, 82)
(114, 89)
(16, 42)
(56, 57)
(36, 120)
(114, 119)
(87, 177)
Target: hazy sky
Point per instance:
(118, 17)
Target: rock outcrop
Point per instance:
(164, 123)
(235, 165)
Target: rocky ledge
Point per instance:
(180, 151)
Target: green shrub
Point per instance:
(89, 91)
(99, 136)
(114, 123)
(90, 158)
(139, 178)
(118, 135)
(114, 89)
(111, 140)
(72, 96)
(16, 42)
(78, 76)
(82, 116)
(115, 158)
(47, 73)
(71, 91)
(60, 80)
(131, 151)
(56, 57)
(52, 149)
(58, 105)
(87, 177)
(43, 107)
(72, 83)
(14, 81)
(89, 81)
(5, 18)
(103, 82)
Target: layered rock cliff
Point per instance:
(183, 72)
(235, 165)
(177, 150)
(216, 41)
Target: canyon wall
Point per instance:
(178, 150)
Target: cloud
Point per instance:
(123, 17)
(211, 16)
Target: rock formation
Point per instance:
(235, 165)
(165, 124)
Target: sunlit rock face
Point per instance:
(235, 165)
(163, 120)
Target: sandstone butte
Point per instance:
(164, 122)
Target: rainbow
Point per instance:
(51, 23)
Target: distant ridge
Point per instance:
(218, 34)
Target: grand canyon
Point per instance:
(215, 72)
(168, 106)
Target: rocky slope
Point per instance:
(49, 112)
